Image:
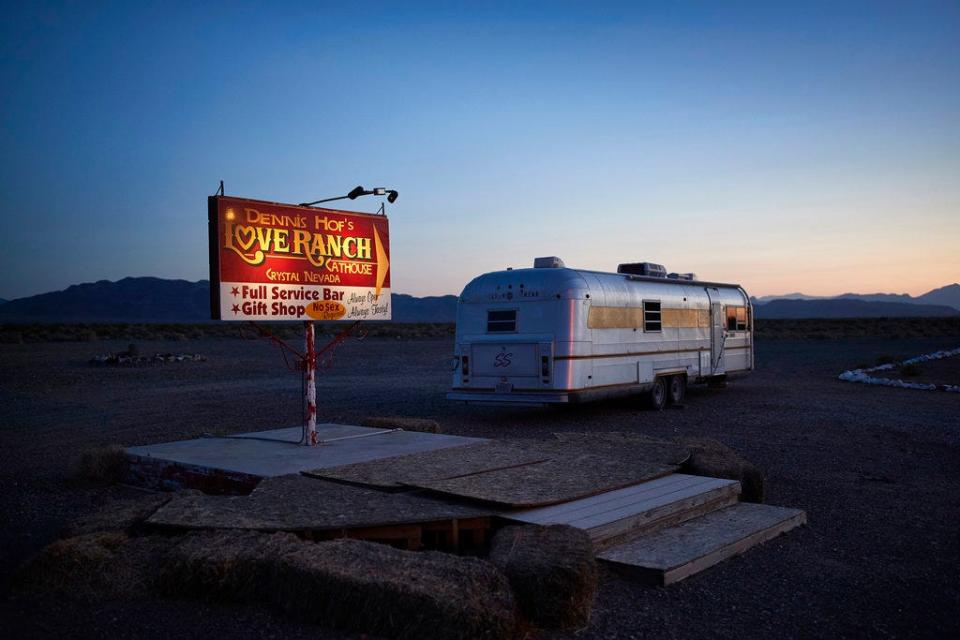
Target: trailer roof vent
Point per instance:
(648, 269)
(549, 262)
(682, 276)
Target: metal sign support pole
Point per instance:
(310, 372)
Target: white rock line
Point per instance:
(863, 375)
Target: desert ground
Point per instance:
(875, 468)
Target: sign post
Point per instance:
(282, 262)
(310, 371)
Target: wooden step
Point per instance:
(671, 554)
(616, 516)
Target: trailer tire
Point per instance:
(658, 394)
(677, 389)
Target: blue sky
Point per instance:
(809, 146)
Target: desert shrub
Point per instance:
(106, 465)
(11, 337)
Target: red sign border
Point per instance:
(213, 231)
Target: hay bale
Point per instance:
(712, 458)
(229, 566)
(120, 515)
(96, 567)
(552, 570)
(372, 588)
(407, 424)
(103, 465)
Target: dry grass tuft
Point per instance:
(407, 424)
(349, 584)
(95, 567)
(357, 586)
(552, 571)
(713, 458)
(107, 465)
(373, 588)
(229, 566)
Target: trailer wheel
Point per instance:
(658, 395)
(677, 389)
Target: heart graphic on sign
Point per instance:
(245, 237)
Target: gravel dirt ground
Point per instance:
(875, 468)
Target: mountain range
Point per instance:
(947, 296)
(162, 300)
(847, 308)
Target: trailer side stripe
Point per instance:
(641, 353)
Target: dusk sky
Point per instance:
(809, 147)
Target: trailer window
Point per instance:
(651, 316)
(504, 320)
(736, 318)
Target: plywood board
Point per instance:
(638, 508)
(399, 471)
(300, 503)
(675, 553)
(619, 444)
(564, 477)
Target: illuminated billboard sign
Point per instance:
(271, 261)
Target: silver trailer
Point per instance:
(551, 334)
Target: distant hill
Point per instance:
(786, 296)
(847, 308)
(160, 300)
(429, 309)
(947, 296)
(127, 300)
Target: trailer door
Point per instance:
(718, 332)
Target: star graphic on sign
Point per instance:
(235, 291)
(236, 308)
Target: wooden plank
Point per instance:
(626, 530)
(607, 507)
(566, 477)
(565, 511)
(626, 513)
(676, 499)
(674, 553)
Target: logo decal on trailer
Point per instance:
(502, 359)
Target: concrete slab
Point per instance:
(276, 452)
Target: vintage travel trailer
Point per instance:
(551, 334)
